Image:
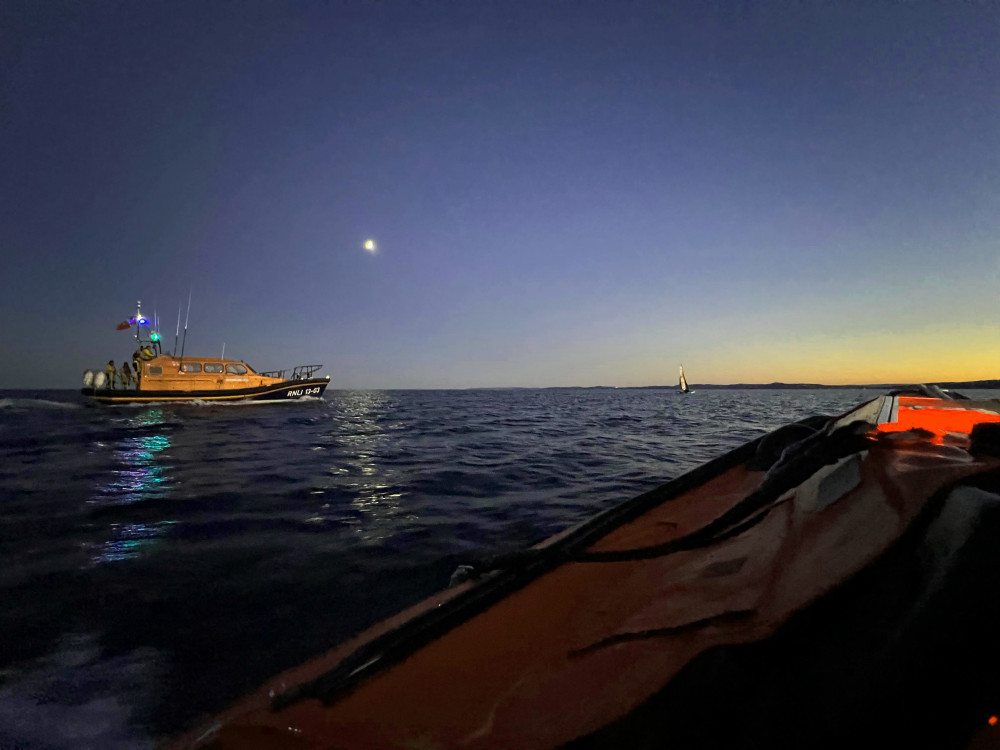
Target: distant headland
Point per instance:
(776, 386)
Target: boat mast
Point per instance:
(151, 338)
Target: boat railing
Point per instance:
(299, 372)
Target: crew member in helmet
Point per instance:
(126, 376)
(111, 372)
(137, 366)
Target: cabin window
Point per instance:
(236, 369)
(155, 370)
(210, 367)
(191, 367)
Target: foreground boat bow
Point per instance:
(610, 634)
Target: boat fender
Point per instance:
(462, 574)
(985, 439)
(516, 560)
(88, 378)
(99, 380)
(829, 485)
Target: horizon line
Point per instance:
(774, 385)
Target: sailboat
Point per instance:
(684, 383)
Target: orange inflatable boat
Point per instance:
(791, 593)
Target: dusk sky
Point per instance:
(561, 193)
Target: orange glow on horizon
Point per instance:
(933, 354)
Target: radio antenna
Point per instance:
(177, 333)
(186, 319)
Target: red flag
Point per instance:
(124, 325)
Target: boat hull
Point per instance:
(287, 390)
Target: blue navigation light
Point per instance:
(143, 321)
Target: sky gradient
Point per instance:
(562, 193)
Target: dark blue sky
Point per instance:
(562, 193)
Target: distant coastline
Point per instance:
(803, 386)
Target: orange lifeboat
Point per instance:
(761, 600)
(166, 378)
(161, 377)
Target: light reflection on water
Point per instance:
(140, 475)
(377, 500)
(129, 539)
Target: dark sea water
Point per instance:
(157, 563)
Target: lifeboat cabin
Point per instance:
(156, 376)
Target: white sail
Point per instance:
(683, 381)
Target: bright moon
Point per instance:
(370, 246)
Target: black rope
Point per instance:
(737, 615)
(793, 469)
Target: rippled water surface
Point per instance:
(158, 562)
